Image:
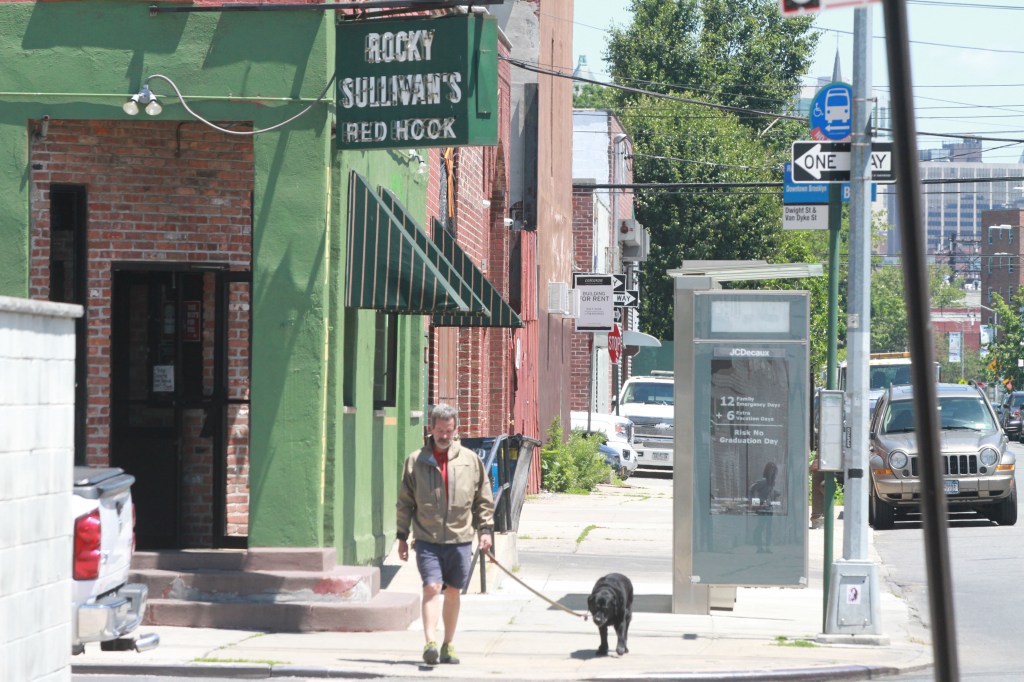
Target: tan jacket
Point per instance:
(433, 516)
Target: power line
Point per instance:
(722, 107)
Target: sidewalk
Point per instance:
(509, 633)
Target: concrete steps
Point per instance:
(272, 589)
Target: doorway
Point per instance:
(180, 402)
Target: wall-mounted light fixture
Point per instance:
(42, 128)
(145, 98)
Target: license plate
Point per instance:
(663, 456)
(951, 487)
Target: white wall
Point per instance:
(37, 390)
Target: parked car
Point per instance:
(977, 465)
(622, 462)
(105, 607)
(1010, 418)
(617, 433)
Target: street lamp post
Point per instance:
(995, 320)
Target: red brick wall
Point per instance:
(1001, 259)
(481, 381)
(583, 256)
(158, 192)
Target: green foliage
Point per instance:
(591, 96)
(573, 466)
(1007, 347)
(889, 331)
(739, 54)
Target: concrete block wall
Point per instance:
(37, 391)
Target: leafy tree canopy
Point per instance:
(889, 331)
(739, 54)
(1008, 346)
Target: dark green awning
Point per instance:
(443, 264)
(502, 314)
(388, 270)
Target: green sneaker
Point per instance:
(448, 654)
(430, 653)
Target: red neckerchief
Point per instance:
(442, 463)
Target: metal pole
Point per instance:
(856, 567)
(858, 326)
(835, 222)
(590, 382)
(915, 275)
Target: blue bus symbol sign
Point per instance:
(831, 116)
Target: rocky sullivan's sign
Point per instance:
(424, 82)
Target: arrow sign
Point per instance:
(630, 298)
(830, 162)
(619, 281)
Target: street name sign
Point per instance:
(830, 162)
(812, 193)
(805, 216)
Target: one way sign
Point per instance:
(830, 162)
(628, 298)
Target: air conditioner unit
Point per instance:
(635, 253)
(629, 232)
(559, 298)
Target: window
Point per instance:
(351, 339)
(385, 360)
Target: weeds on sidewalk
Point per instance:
(786, 641)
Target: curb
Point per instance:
(266, 672)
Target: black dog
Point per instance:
(611, 603)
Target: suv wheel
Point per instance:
(883, 515)
(1005, 512)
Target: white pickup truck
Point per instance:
(105, 608)
(649, 402)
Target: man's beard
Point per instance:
(442, 444)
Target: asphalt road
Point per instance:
(987, 568)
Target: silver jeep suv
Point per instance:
(978, 468)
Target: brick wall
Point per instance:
(37, 361)
(1001, 255)
(583, 258)
(481, 381)
(157, 192)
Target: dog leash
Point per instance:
(510, 574)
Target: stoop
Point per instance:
(268, 589)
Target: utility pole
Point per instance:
(915, 277)
(853, 589)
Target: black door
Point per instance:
(172, 404)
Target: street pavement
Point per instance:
(565, 542)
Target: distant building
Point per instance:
(953, 210)
(1000, 255)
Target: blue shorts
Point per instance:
(445, 564)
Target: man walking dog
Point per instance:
(445, 499)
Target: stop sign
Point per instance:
(614, 343)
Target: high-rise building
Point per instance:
(952, 210)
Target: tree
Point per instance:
(591, 96)
(739, 54)
(889, 330)
(1008, 347)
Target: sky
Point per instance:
(968, 78)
